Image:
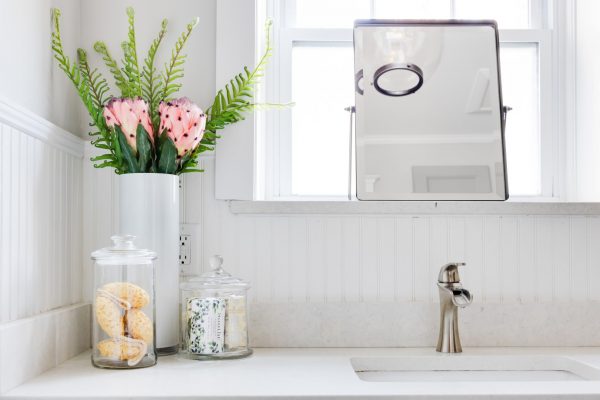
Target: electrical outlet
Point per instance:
(185, 249)
(190, 249)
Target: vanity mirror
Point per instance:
(429, 112)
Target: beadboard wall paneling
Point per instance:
(43, 321)
(40, 216)
(100, 213)
(512, 259)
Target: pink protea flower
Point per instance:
(128, 114)
(184, 122)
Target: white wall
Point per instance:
(30, 77)
(42, 319)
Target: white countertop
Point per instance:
(287, 373)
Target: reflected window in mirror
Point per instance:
(313, 67)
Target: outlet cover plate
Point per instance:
(190, 249)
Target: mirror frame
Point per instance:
(453, 22)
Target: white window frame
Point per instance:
(546, 33)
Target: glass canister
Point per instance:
(214, 318)
(124, 311)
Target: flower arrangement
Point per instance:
(147, 129)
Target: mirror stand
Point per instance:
(351, 110)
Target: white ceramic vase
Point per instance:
(149, 209)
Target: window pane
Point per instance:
(510, 14)
(520, 89)
(322, 86)
(330, 13)
(411, 9)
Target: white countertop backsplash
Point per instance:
(389, 324)
(287, 373)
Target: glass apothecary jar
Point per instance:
(124, 311)
(214, 318)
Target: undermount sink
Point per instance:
(465, 368)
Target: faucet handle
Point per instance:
(449, 273)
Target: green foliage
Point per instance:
(158, 154)
(151, 81)
(131, 68)
(113, 67)
(128, 153)
(92, 90)
(118, 152)
(97, 86)
(174, 69)
(167, 152)
(98, 90)
(144, 148)
(70, 69)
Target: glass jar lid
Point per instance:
(123, 249)
(216, 278)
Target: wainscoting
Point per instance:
(380, 258)
(314, 276)
(41, 274)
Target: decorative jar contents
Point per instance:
(214, 323)
(123, 326)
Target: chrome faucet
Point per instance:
(452, 296)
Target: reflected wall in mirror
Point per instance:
(429, 112)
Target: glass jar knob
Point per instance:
(123, 242)
(216, 264)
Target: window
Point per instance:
(313, 67)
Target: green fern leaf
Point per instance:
(151, 82)
(90, 86)
(113, 67)
(172, 72)
(131, 68)
(95, 82)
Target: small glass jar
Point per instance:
(214, 318)
(124, 312)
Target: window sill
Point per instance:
(414, 207)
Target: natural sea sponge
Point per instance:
(139, 325)
(123, 349)
(109, 316)
(132, 296)
(118, 313)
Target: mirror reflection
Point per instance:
(429, 113)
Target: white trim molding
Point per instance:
(37, 127)
(236, 150)
(33, 345)
(413, 208)
(564, 40)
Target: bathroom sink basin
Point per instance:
(465, 368)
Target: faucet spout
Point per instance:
(452, 297)
(461, 298)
